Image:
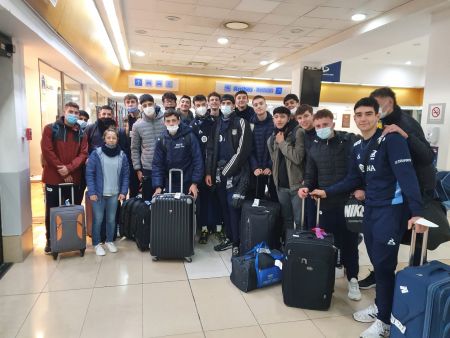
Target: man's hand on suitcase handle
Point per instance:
(93, 198)
(420, 229)
(62, 170)
(318, 193)
(303, 193)
(68, 179)
(193, 190)
(360, 195)
(157, 191)
(121, 197)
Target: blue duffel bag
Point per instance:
(257, 268)
(421, 307)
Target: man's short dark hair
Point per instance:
(146, 97)
(323, 113)
(281, 110)
(186, 97)
(72, 104)
(169, 96)
(303, 108)
(291, 97)
(85, 114)
(215, 94)
(171, 112)
(367, 102)
(227, 97)
(384, 92)
(106, 107)
(258, 97)
(130, 97)
(199, 97)
(241, 92)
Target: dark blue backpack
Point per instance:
(443, 188)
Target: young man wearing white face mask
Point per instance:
(208, 212)
(228, 150)
(291, 102)
(327, 163)
(143, 140)
(177, 148)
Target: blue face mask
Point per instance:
(132, 110)
(82, 124)
(226, 110)
(324, 133)
(71, 119)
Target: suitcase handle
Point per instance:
(412, 248)
(318, 212)
(170, 179)
(302, 220)
(71, 185)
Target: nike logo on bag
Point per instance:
(354, 210)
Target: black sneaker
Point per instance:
(48, 249)
(368, 282)
(235, 251)
(225, 245)
(203, 237)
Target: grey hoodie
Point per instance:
(143, 140)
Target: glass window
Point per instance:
(92, 105)
(51, 93)
(73, 91)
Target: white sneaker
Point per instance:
(377, 330)
(111, 247)
(339, 273)
(353, 290)
(368, 315)
(99, 251)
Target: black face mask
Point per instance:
(105, 123)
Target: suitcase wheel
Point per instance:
(55, 255)
(82, 252)
(188, 259)
(155, 259)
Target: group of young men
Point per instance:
(229, 152)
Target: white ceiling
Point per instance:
(175, 44)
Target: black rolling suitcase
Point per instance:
(259, 223)
(172, 231)
(127, 212)
(308, 268)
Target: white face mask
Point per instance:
(226, 110)
(149, 111)
(324, 133)
(200, 111)
(172, 129)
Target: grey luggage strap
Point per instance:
(72, 190)
(423, 254)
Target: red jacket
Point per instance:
(63, 145)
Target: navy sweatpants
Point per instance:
(231, 215)
(383, 230)
(333, 221)
(208, 212)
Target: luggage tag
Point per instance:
(255, 202)
(218, 176)
(229, 183)
(67, 202)
(177, 195)
(279, 264)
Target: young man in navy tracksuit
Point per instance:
(260, 162)
(177, 148)
(227, 155)
(208, 212)
(383, 166)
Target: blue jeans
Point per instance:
(108, 203)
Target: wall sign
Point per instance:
(332, 72)
(148, 82)
(436, 113)
(345, 120)
(252, 89)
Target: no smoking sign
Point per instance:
(436, 113)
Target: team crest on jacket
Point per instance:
(233, 131)
(204, 139)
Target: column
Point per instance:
(437, 85)
(14, 160)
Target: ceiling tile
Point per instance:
(293, 9)
(345, 3)
(274, 43)
(383, 5)
(211, 12)
(275, 19)
(259, 6)
(244, 16)
(164, 6)
(339, 24)
(308, 39)
(266, 28)
(323, 32)
(330, 13)
(230, 4)
(305, 21)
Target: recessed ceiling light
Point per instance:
(172, 18)
(222, 41)
(236, 25)
(359, 17)
(137, 53)
(408, 63)
(140, 31)
(296, 30)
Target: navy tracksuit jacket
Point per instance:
(392, 197)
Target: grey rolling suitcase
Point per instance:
(67, 227)
(172, 232)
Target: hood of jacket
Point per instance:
(254, 119)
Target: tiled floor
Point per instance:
(128, 295)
